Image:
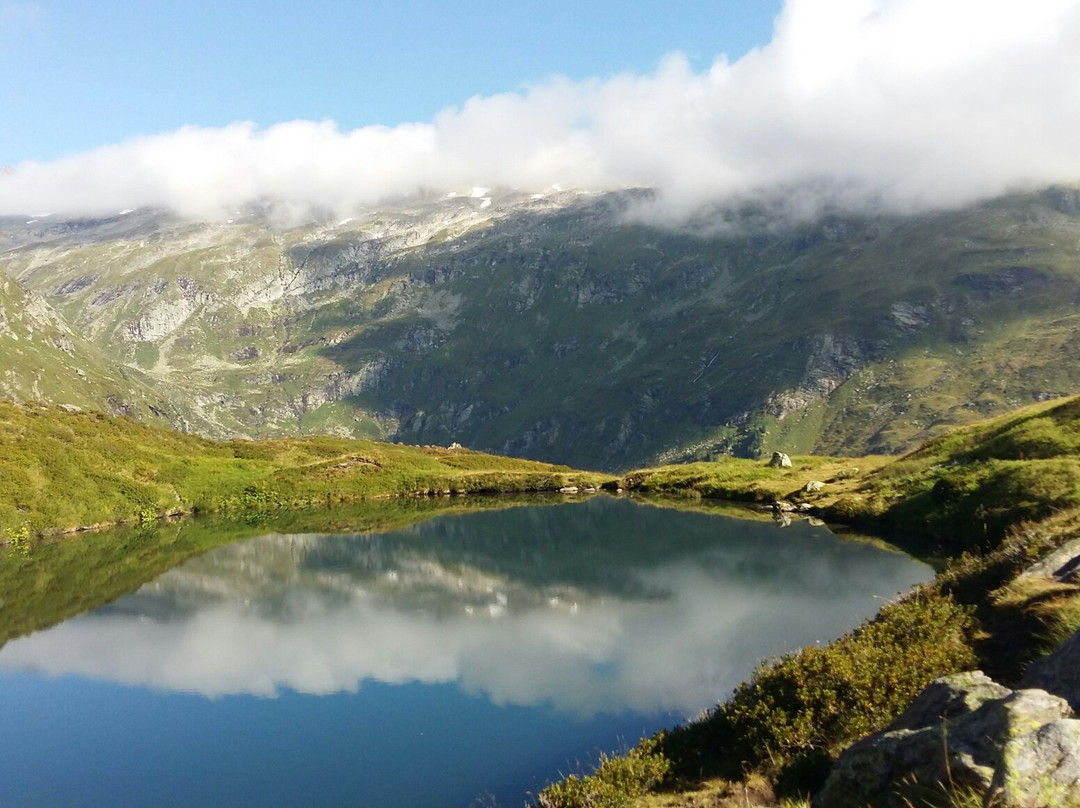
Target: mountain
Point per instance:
(43, 358)
(561, 327)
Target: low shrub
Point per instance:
(616, 783)
(821, 698)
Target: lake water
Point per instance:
(463, 661)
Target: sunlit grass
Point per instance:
(62, 469)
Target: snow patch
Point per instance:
(126, 211)
(480, 193)
(345, 221)
(485, 202)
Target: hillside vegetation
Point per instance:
(62, 470)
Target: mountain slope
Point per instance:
(43, 358)
(556, 327)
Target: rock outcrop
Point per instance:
(780, 461)
(1059, 673)
(967, 734)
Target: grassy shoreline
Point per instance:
(63, 471)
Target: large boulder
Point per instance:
(964, 733)
(780, 461)
(1040, 768)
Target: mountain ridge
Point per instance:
(558, 328)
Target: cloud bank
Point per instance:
(903, 104)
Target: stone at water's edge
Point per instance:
(965, 732)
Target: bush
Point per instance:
(616, 783)
(822, 698)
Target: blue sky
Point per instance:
(824, 104)
(85, 73)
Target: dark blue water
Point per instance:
(464, 661)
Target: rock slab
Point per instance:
(965, 733)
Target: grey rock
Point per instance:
(1041, 768)
(783, 506)
(813, 487)
(964, 732)
(1061, 565)
(780, 461)
(1059, 673)
(949, 696)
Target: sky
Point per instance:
(200, 106)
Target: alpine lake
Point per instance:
(402, 654)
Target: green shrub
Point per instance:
(18, 538)
(616, 783)
(822, 698)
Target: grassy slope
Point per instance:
(995, 497)
(62, 469)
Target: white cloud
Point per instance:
(910, 103)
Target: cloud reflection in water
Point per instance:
(604, 606)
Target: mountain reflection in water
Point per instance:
(601, 606)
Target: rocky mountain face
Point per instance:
(554, 326)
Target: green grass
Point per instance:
(62, 470)
(751, 480)
(969, 487)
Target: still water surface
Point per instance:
(464, 661)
